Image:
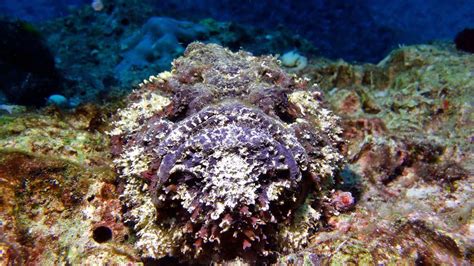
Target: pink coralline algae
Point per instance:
(224, 157)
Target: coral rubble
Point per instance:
(226, 156)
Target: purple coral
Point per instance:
(222, 156)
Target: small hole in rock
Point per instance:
(102, 234)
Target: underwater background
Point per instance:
(377, 97)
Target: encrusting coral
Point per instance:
(225, 156)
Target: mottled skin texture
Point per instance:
(228, 148)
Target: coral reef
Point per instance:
(86, 45)
(364, 31)
(58, 192)
(226, 156)
(103, 54)
(421, 89)
(408, 128)
(159, 41)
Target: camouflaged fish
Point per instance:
(224, 157)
